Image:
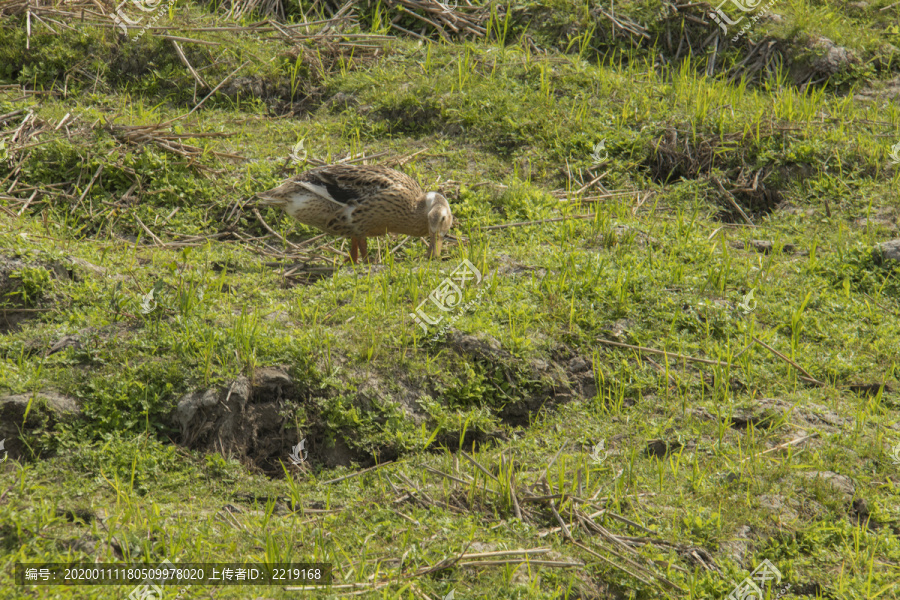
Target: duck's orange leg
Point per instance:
(354, 250)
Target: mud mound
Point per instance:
(255, 420)
(536, 384)
(25, 287)
(742, 190)
(248, 420)
(24, 414)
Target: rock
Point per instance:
(778, 505)
(889, 250)
(97, 270)
(660, 448)
(189, 404)
(271, 379)
(278, 316)
(67, 341)
(820, 416)
(82, 514)
(579, 364)
(876, 223)
(840, 484)
(760, 417)
(830, 58)
(738, 547)
(884, 58)
(87, 544)
(47, 408)
(488, 348)
(340, 102)
(618, 330)
(765, 246)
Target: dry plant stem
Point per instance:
(807, 375)
(793, 442)
(187, 64)
(158, 241)
(731, 200)
(480, 468)
(667, 354)
(562, 524)
(528, 552)
(272, 231)
(523, 223)
(214, 90)
(542, 563)
(543, 476)
(352, 475)
(612, 564)
(91, 184)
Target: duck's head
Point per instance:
(439, 221)
(276, 197)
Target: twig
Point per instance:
(188, 65)
(667, 354)
(809, 377)
(357, 473)
(214, 90)
(550, 464)
(91, 184)
(150, 233)
(732, 201)
(523, 223)
(562, 524)
(27, 202)
(793, 442)
(541, 563)
(477, 464)
(528, 552)
(272, 231)
(189, 40)
(612, 564)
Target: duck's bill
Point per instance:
(264, 200)
(434, 250)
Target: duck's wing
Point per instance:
(351, 185)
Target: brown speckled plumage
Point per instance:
(362, 201)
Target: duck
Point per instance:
(362, 201)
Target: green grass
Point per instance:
(482, 434)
